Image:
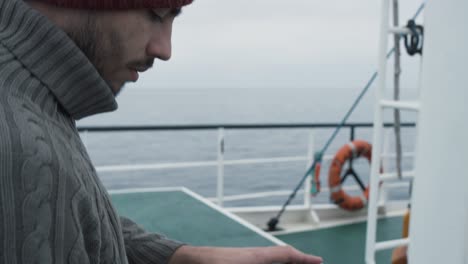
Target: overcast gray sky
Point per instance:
(274, 43)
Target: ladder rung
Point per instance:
(391, 244)
(399, 30)
(407, 175)
(413, 106)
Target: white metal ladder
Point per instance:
(372, 246)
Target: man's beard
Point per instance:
(90, 40)
(103, 49)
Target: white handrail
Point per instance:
(391, 244)
(257, 195)
(195, 164)
(220, 163)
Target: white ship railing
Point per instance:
(221, 162)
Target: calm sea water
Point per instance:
(228, 106)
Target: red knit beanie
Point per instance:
(119, 4)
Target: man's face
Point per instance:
(121, 44)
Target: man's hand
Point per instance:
(261, 255)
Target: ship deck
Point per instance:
(346, 243)
(182, 215)
(185, 216)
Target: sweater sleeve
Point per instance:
(146, 248)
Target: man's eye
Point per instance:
(154, 17)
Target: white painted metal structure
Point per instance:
(372, 246)
(220, 181)
(439, 223)
(439, 218)
(220, 163)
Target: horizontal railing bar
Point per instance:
(139, 167)
(195, 164)
(240, 197)
(178, 165)
(393, 155)
(399, 30)
(266, 160)
(406, 175)
(402, 105)
(248, 196)
(391, 244)
(226, 126)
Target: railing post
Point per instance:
(385, 165)
(310, 161)
(308, 184)
(352, 135)
(220, 183)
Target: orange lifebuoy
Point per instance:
(400, 254)
(355, 149)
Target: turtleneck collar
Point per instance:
(52, 57)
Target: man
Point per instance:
(60, 61)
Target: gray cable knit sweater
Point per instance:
(53, 207)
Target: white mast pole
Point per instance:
(439, 219)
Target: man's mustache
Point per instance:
(145, 64)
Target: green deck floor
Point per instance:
(345, 244)
(182, 217)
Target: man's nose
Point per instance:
(160, 46)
